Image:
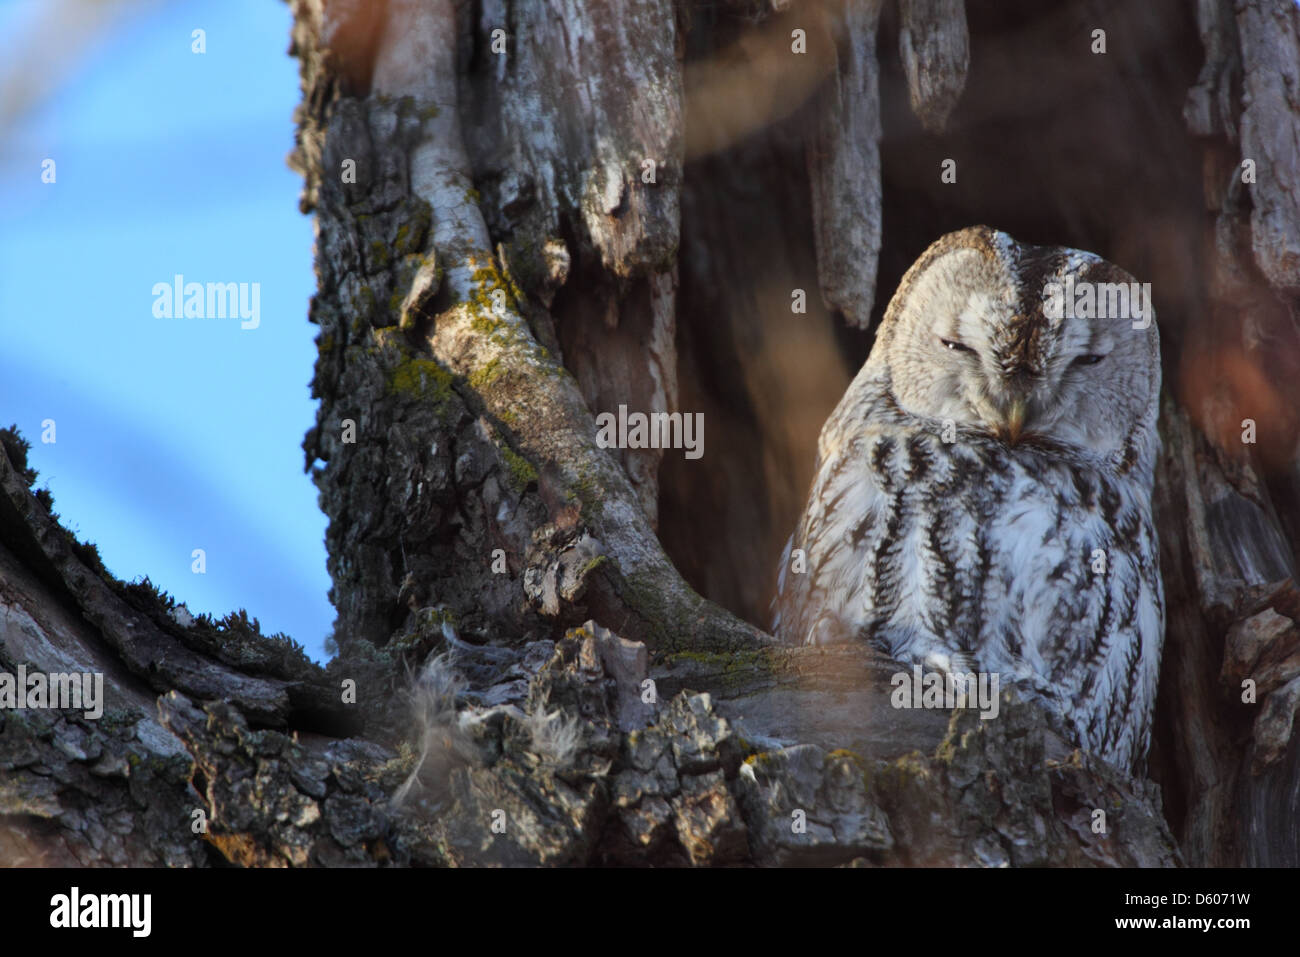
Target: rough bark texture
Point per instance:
(620, 204)
(844, 170)
(935, 51)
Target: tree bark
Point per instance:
(528, 215)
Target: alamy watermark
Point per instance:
(653, 430)
(78, 691)
(78, 910)
(179, 299)
(946, 690)
(1099, 300)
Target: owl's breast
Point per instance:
(1015, 557)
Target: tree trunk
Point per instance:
(531, 214)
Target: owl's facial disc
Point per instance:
(971, 344)
(1026, 377)
(991, 361)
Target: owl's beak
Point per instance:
(1015, 420)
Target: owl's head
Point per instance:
(1024, 342)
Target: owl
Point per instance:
(981, 500)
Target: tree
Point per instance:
(529, 215)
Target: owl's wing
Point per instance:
(822, 560)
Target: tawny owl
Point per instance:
(982, 493)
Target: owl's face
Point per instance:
(1002, 338)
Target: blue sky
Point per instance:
(172, 434)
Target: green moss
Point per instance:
(422, 379)
(645, 593)
(521, 471)
(726, 661)
(707, 658)
(473, 196)
(379, 255)
(488, 277)
(429, 112)
(515, 292)
(484, 376)
(326, 343)
(483, 299)
(722, 669)
(585, 493)
(486, 323)
(411, 234)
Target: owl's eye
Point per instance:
(956, 346)
(1090, 359)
